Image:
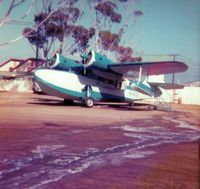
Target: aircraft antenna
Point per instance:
(174, 59)
(173, 75)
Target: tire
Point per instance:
(131, 103)
(89, 102)
(152, 107)
(36, 89)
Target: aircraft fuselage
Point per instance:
(72, 86)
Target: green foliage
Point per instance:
(109, 41)
(63, 24)
(34, 37)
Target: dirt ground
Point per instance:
(45, 144)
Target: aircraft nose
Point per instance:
(46, 75)
(41, 74)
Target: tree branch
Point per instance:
(20, 2)
(3, 20)
(13, 4)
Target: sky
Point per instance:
(166, 27)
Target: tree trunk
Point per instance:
(37, 52)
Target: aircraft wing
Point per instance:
(167, 85)
(150, 68)
(13, 75)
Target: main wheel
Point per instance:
(131, 103)
(152, 107)
(89, 102)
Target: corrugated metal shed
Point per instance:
(190, 94)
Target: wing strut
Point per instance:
(140, 74)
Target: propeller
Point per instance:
(84, 62)
(51, 61)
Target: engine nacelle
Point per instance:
(97, 60)
(62, 63)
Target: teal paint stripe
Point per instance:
(99, 96)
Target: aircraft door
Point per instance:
(121, 85)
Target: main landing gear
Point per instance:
(131, 103)
(87, 100)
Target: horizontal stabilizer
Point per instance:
(150, 68)
(167, 85)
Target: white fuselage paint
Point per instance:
(69, 85)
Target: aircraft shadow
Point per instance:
(129, 108)
(56, 102)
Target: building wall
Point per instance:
(189, 95)
(9, 65)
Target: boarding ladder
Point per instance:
(161, 103)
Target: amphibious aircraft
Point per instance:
(97, 78)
